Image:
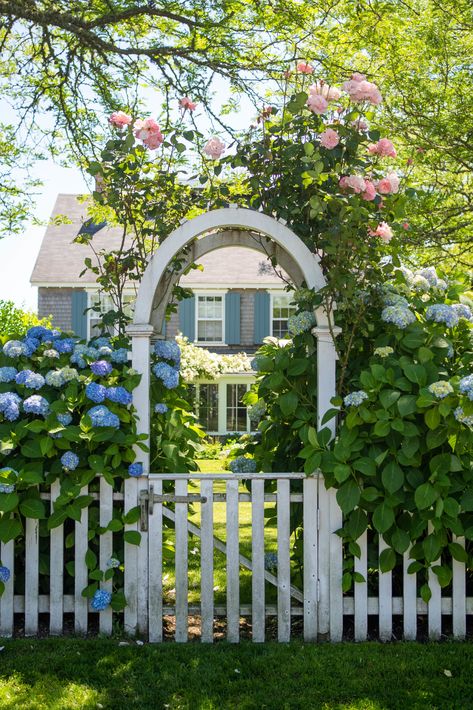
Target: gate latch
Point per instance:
(149, 498)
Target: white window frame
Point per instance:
(272, 295)
(222, 382)
(207, 343)
(93, 315)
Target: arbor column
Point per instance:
(141, 360)
(326, 373)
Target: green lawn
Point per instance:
(71, 674)
(214, 466)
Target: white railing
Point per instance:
(390, 599)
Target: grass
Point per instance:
(215, 466)
(76, 674)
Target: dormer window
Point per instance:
(210, 318)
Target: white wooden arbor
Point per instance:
(231, 226)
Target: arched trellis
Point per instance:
(230, 226)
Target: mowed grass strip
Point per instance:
(78, 674)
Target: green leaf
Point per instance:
(425, 354)
(388, 398)
(432, 417)
(370, 494)
(348, 496)
(387, 560)
(90, 559)
(357, 523)
(90, 590)
(288, 403)
(133, 515)
(383, 517)
(431, 547)
(392, 477)
(444, 574)
(118, 601)
(400, 540)
(365, 465)
(342, 471)
(297, 367)
(8, 501)
(96, 574)
(33, 508)
(312, 436)
(10, 528)
(415, 373)
(407, 405)
(346, 582)
(57, 518)
(425, 593)
(425, 496)
(382, 428)
(458, 552)
(132, 537)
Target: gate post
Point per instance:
(136, 556)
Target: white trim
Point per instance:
(250, 285)
(207, 343)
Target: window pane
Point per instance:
(209, 331)
(207, 409)
(236, 410)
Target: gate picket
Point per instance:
(7, 598)
(56, 571)
(233, 564)
(284, 564)
(361, 590)
(385, 596)
(106, 548)
(207, 562)
(310, 516)
(459, 595)
(257, 560)
(81, 541)
(409, 590)
(155, 543)
(31, 576)
(181, 564)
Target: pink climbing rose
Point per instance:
(361, 124)
(317, 103)
(120, 119)
(370, 191)
(149, 132)
(353, 182)
(359, 89)
(329, 139)
(383, 231)
(304, 68)
(321, 88)
(187, 104)
(214, 148)
(383, 147)
(388, 185)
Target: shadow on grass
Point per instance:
(74, 673)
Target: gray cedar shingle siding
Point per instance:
(56, 302)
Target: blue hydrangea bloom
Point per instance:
(463, 311)
(113, 563)
(257, 410)
(167, 374)
(430, 274)
(463, 418)
(255, 364)
(101, 600)
(14, 348)
(36, 405)
(168, 350)
(96, 392)
(102, 416)
(354, 399)
(7, 374)
(77, 359)
(64, 419)
(51, 353)
(135, 469)
(40, 332)
(119, 395)
(4, 574)
(300, 322)
(440, 389)
(466, 386)
(105, 351)
(398, 315)
(10, 405)
(120, 355)
(242, 464)
(395, 299)
(69, 461)
(271, 561)
(101, 367)
(66, 345)
(442, 313)
(8, 487)
(31, 345)
(69, 373)
(31, 380)
(55, 378)
(160, 408)
(100, 342)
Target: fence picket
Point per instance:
(459, 595)
(257, 560)
(409, 587)
(284, 563)
(323, 607)
(207, 563)
(385, 599)
(81, 573)
(181, 575)
(31, 577)
(310, 515)
(435, 603)
(233, 564)
(131, 561)
(361, 590)
(336, 570)
(106, 549)
(155, 566)
(56, 571)
(7, 598)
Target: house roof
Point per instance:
(60, 261)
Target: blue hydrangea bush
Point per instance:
(402, 458)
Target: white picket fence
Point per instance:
(319, 605)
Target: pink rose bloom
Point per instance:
(149, 132)
(187, 104)
(383, 147)
(370, 191)
(361, 124)
(317, 104)
(321, 88)
(343, 182)
(120, 119)
(356, 183)
(358, 77)
(388, 185)
(304, 68)
(383, 231)
(214, 148)
(329, 139)
(361, 90)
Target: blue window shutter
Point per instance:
(232, 318)
(79, 316)
(261, 322)
(187, 318)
